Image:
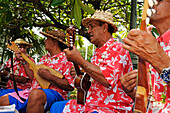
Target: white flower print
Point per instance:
(109, 99)
(123, 60)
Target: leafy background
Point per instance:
(19, 17)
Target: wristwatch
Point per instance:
(165, 74)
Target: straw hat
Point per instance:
(22, 41)
(56, 34)
(103, 16)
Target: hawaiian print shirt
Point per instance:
(60, 63)
(19, 71)
(114, 62)
(159, 88)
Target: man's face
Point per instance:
(95, 31)
(23, 48)
(49, 44)
(162, 12)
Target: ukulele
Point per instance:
(142, 92)
(81, 80)
(43, 82)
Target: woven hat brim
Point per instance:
(48, 35)
(24, 43)
(86, 21)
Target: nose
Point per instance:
(89, 30)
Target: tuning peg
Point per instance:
(155, 2)
(147, 20)
(149, 12)
(151, 3)
(153, 11)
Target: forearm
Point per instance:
(159, 60)
(19, 79)
(61, 83)
(94, 72)
(28, 71)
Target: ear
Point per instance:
(105, 27)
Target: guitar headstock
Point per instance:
(13, 46)
(70, 36)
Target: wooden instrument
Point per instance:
(43, 82)
(81, 80)
(142, 92)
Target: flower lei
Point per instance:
(103, 56)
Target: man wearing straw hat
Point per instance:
(109, 62)
(23, 78)
(38, 99)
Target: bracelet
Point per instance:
(8, 76)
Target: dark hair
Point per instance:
(110, 28)
(61, 45)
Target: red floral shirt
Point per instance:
(19, 71)
(158, 86)
(114, 62)
(60, 63)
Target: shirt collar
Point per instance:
(166, 37)
(103, 48)
(54, 56)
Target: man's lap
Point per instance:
(51, 95)
(58, 107)
(6, 91)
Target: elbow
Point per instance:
(106, 84)
(31, 78)
(70, 89)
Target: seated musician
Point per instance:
(109, 62)
(23, 78)
(157, 54)
(38, 99)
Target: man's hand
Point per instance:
(72, 71)
(4, 73)
(45, 73)
(144, 44)
(129, 81)
(73, 55)
(141, 43)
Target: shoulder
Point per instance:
(118, 47)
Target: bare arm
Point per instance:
(61, 83)
(19, 79)
(91, 69)
(27, 69)
(146, 46)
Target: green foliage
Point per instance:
(76, 13)
(85, 8)
(155, 32)
(89, 52)
(57, 2)
(18, 17)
